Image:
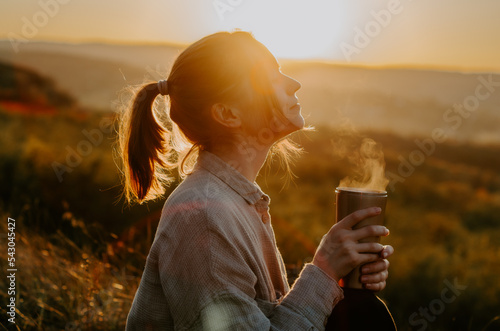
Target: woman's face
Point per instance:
(285, 88)
(286, 112)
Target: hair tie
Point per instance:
(163, 87)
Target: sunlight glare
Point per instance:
(298, 31)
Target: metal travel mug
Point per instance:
(348, 200)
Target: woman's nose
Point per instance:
(294, 85)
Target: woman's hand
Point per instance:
(374, 274)
(340, 252)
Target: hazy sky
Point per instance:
(456, 34)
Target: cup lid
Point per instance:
(360, 190)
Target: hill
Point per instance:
(24, 90)
(94, 73)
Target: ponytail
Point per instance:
(144, 144)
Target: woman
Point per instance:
(214, 264)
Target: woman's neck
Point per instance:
(245, 158)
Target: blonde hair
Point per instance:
(157, 138)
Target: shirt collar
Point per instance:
(251, 192)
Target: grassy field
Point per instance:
(80, 252)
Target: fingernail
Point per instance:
(378, 210)
(387, 231)
(384, 254)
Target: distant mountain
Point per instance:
(23, 86)
(404, 101)
(94, 73)
(137, 55)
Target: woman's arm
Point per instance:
(209, 283)
(306, 307)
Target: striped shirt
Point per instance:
(214, 264)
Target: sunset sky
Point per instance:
(448, 34)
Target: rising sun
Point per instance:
(297, 30)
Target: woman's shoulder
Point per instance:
(205, 185)
(201, 197)
(197, 188)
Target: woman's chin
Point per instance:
(298, 122)
(293, 125)
(294, 116)
(284, 127)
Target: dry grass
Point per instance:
(61, 286)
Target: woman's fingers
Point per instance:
(370, 231)
(364, 258)
(388, 251)
(375, 278)
(373, 267)
(352, 219)
(369, 248)
(374, 275)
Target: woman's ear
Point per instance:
(229, 117)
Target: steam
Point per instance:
(367, 159)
